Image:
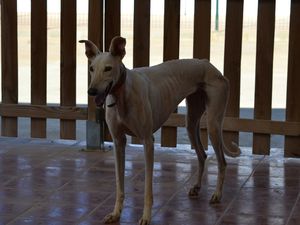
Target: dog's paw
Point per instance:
(193, 193)
(215, 198)
(144, 221)
(111, 218)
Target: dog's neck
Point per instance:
(116, 89)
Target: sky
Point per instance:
(187, 6)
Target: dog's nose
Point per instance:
(92, 91)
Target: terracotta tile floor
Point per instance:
(55, 183)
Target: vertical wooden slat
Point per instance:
(171, 51)
(95, 124)
(141, 36)
(292, 144)
(38, 63)
(68, 65)
(112, 29)
(95, 34)
(141, 33)
(232, 61)
(264, 71)
(202, 24)
(9, 60)
(112, 21)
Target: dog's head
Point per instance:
(105, 67)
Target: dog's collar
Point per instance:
(115, 89)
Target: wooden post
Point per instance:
(292, 143)
(112, 29)
(202, 23)
(112, 21)
(68, 65)
(141, 37)
(38, 63)
(232, 61)
(141, 33)
(264, 72)
(171, 51)
(95, 34)
(94, 125)
(9, 60)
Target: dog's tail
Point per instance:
(233, 151)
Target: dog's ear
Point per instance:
(117, 47)
(91, 50)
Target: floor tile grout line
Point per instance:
(8, 181)
(293, 209)
(22, 213)
(40, 201)
(37, 166)
(103, 202)
(175, 193)
(138, 172)
(83, 217)
(218, 222)
(142, 170)
(23, 174)
(195, 173)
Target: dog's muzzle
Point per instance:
(100, 96)
(92, 91)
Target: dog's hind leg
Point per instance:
(195, 109)
(148, 195)
(216, 106)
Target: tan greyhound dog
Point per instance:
(139, 101)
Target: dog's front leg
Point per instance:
(148, 195)
(119, 151)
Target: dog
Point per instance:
(139, 101)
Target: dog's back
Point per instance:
(172, 81)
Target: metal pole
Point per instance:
(95, 131)
(217, 16)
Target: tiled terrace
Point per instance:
(55, 183)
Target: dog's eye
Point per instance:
(107, 68)
(91, 69)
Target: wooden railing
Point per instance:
(102, 27)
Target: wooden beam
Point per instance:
(141, 33)
(232, 60)
(262, 126)
(175, 120)
(112, 21)
(292, 144)
(264, 72)
(95, 34)
(68, 65)
(202, 24)
(44, 111)
(141, 38)
(112, 29)
(95, 23)
(171, 51)
(201, 49)
(233, 124)
(38, 63)
(9, 63)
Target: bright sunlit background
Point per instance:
(156, 53)
(156, 45)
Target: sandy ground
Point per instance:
(156, 52)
